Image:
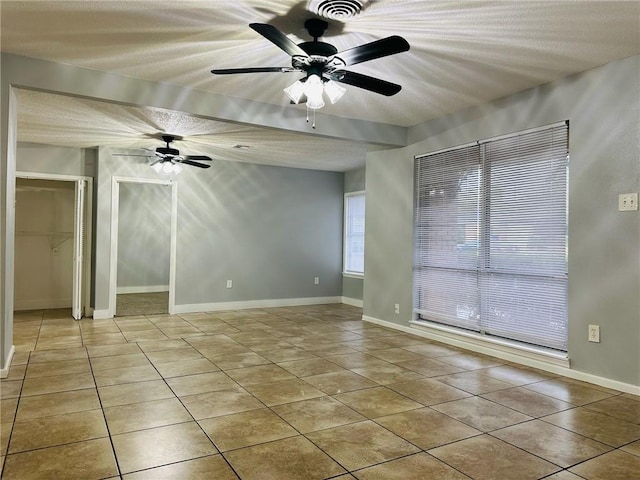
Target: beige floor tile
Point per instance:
(527, 401)
(481, 414)
(52, 343)
(616, 465)
(293, 458)
(57, 404)
(119, 361)
(395, 355)
(552, 443)
(259, 374)
(283, 391)
(144, 335)
(430, 367)
(598, 426)
(239, 360)
(139, 416)
(517, 375)
(5, 433)
(221, 350)
(128, 393)
(10, 389)
(132, 324)
(427, 428)
(568, 392)
(387, 373)
(471, 361)
(200, 383)
(115, 376)
(186, 367)
(487, 458)
(112, 350)
(212, 467)
(428, 391)
(166, 344)
(220, 402)
(58, 355)
(563, 475)
(377, 402)
(330, 350)
(16, 372)
(434, 350)
(474, 382)
(286, 354)
(161, 446)
(103, 339)
(65, 367)
(173, 355)
(633, 448)
(317, 414)
(180, 331)
(356, 360)
(311, 366)
(239, 430)
(361, 444)
(48, 331)
(339, 382)
(621, 406)
(57, 383)
(57, 430)
(8, 409)
(420, 466)
(90, 460)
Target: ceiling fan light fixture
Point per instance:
(313, 89)
(295, 91)
(334, 91)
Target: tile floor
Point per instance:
(293, 393)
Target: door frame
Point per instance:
(81, 243)
(113, 257)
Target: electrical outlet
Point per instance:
(229, 283)
(594, 333)
(396, 308)
(627, 202)
(316, 280)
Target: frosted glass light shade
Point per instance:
(334, 91)
(295, 91)
(313, 89)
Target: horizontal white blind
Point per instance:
(491, 237)
(447, 236)
(354, 233)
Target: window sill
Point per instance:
(359, 276)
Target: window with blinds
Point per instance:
(491, 237)
(354, 233)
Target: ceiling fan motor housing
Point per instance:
(168, 151)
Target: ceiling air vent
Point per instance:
(339, 9)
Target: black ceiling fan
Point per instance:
(170, 155)
(324, 60)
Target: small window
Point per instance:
(354, 233)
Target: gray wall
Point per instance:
(354, 181)
(144, 236)
(603, 107)
(270, 230)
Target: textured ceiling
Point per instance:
(463, 53)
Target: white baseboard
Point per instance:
(4, 372)
(143, 289)
(242, 305)
(529, 358)
(42, 304)
(101, 314)
(354, 302)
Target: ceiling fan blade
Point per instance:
(194, 164)
(230, 71)
(278, 38)
(200, 158)
(359, 80)
(376, 49)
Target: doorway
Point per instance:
(143, 246)
(52, 234)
